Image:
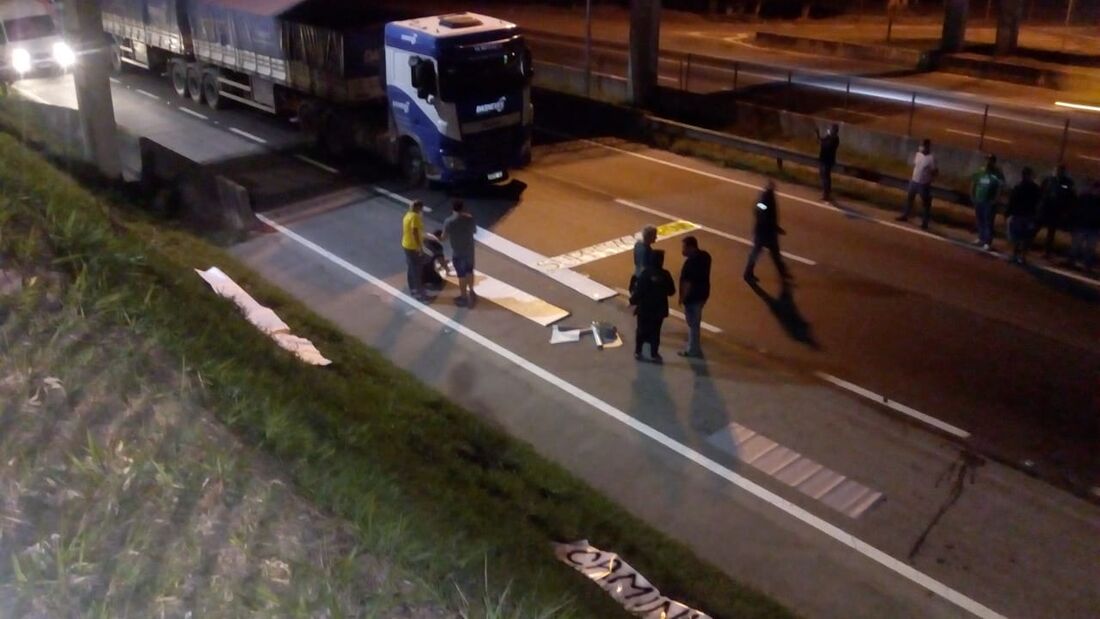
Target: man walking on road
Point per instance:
(985, 188)
(924, 171)
(765, 233)
(460, 229)
(826, 159)
(694, 292)
(412, 235)
(1023, 204)
(1059, 196)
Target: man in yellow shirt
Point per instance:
(412, 233)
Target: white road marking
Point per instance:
(836, 533)
(614, 247)
(115, 80)
(978, 135)
(725, 235)
(1089, 157)
(901, 408)
(193, 113)
(1072, 275)
(147, 94)
(245, 134)
(317, 164)
(910, 230)
(30, 95)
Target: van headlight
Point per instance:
(453, 163)
(21, 61)
(63, 54)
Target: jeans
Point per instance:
(986, 212)
(413, 266)
(826, 172)
(924, 190)
(759, 244)
(1084, 246)
(693, 314)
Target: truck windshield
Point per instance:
(483, 76)
(26, 28)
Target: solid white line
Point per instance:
(396, 197)
(840, 535)
(1089, 157)
(978, 135)
(115, 80)
(725, 235)
(30, 95)
(901, 408)
(910, 230)
(317, 164)
(245, 134)
(1072, 275)
(148, 94)
(193, 113)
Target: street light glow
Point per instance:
(63, 54)
(21, 61)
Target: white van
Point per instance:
(31, 42)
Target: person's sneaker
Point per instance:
(638, 356)
(976, 242)
(687, 354)
(987, 247)
(657, 359)
(473, 298)
(462, 302)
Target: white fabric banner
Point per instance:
(623, 583)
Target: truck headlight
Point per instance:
(63, 54)
(453, 163)
(21, 61)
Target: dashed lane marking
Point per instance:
(896, 406)
(146, 93)
(245, 134)
(978, 135)
(832, 531)
(193, 113)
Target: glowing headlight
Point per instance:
(21, 61)
(63, 54)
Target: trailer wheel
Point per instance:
(412, 164)
(210, 91)
(178, 72)
(194, 83)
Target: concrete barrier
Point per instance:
(913, 58)
(560, 78)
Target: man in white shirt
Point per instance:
(924, 170)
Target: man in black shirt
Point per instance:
(826, 159)
(694, 292)
(765, 234)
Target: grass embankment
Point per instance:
(426, 487)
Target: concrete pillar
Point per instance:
(1008, 26)
(645, 45)
(954, 25)
(83, 24)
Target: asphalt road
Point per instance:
(1008, 355)
(1017, 132)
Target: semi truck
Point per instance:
(444, 97)
(31, 43)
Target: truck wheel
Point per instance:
(412, 164)
(178, 71)
(194, 83)
(210, 91)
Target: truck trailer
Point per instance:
(445, 97)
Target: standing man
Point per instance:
(826, 159)
(1059, 196)
(1086, 228)
(460, 229)
(412, 234)
(924, 171)
(1023, 203)
(642, 248)
(650, 301)
(694, 292)
(765, 233)
(985, 188)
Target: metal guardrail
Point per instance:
(985, 114)
(780, 155)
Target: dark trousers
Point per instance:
(826, 172)
(924, 190)
(648, 331)
(1051, 223)
(413, 264)
(986, 213)
(759, 244)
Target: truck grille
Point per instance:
(495, 145)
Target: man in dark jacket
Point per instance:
(1086, 228)
(1023, 204)
(765, 233)
(1059, 197)
(694, 292)
(826, 159)
(650, 301)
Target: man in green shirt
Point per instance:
(985, 188)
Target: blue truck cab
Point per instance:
(459, 95)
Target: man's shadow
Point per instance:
(786, 311)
